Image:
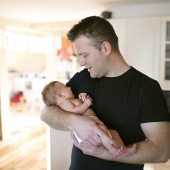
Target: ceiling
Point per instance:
(58, 10)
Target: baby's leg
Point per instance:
(118, 143)
(118, 148)
(114, 148)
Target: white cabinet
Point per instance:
(120, 27)
(143, 45)
(165, 54)
(139, 41)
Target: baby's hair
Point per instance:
(49, 94)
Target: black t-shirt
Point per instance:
(122, 103)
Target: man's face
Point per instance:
(90, 57)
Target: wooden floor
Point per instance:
(25, 150)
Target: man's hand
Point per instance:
(88, 130)
(116, 149)
(88, 148)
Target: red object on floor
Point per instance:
(16, 98)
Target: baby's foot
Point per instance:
(129, 151)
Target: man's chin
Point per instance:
(92, 76)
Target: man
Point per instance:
(123, 98)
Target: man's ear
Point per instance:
(60, 95)
(106, 48)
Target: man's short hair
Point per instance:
(97, 29)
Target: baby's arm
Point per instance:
(81, 109)
(76, 106)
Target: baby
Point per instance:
(57, 94)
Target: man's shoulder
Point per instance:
(143, 78)
(146, 83)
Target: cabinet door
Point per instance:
(165, 54)
(120, 27)
(143, 45)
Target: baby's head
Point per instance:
(49, 94)
(55, 92)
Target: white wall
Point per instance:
(4, 97)
(139, 10)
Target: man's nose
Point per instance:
(82, 61)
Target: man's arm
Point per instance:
(58, 121)
(156, 149)
(85, 127)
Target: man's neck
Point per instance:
(117, 65)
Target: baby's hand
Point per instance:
(88, 100)
(82, 96)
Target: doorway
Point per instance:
(26, 146)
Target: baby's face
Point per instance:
(66, 91)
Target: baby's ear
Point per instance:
(60, 95)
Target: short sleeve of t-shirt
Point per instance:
(152, 103)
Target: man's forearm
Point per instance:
(56, 118)
(147, 153)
